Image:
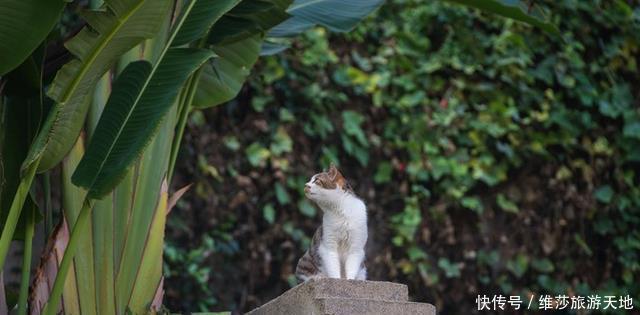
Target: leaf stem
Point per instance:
(26, 263)
(48, 210)
(184, 108)
(81, 223)
(16, 208)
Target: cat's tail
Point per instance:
(306, 268)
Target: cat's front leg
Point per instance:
(353, 264)
(330, 261)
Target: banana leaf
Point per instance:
(25, 24)
(119, 265)
(113, 30)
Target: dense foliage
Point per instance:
(493, 158)
(105, 94)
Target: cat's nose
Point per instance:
(307, 187)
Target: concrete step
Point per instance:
(357, 289)
(342, 306)
(339, 296)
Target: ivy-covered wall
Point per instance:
(494, 159)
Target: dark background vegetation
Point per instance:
(494, 159)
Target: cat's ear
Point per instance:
(336, 176)
(332, 171)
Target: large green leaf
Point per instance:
(24, 25)
(78, 292)
(514, 9)
(265, 13)
(130, 238)
(204, 14)
(222, 77)
(291, 27)
(113, 30)
(123, 218)
(140, 195)
(76, 286)
(141, 97)
(237, 38)
(337, 15)
(231, 29)
(149, 275)
(249, 18)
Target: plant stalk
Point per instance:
(26, 263)
(14, 212)
(185, 109)
(81, 223)
(48, 209)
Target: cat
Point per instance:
(337, 247)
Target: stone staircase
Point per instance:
(341, 297)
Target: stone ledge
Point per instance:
(338, 296)
(357, 289)
(341, 306)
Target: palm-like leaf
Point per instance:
(223, 77)
(204, 14)
(336, 15)
(248, 18)
(140, 98)
(25, 23)
(125, 249)
(115, 244)
(237, 38)
(115, 29)
(291, 27)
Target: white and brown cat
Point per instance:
(337, 247)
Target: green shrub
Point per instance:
(493, 157)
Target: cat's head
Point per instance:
(326, 187)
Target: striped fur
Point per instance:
(309, 265)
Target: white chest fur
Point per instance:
(345, 232)
(344, 237)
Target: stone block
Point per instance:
(338, 296)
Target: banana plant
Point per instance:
(118, 112)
